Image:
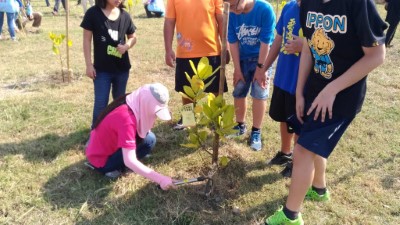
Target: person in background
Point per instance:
(393, 18)
(10, 7)
(154, 8)
(344, 41)
(27, 15)
(121, 136)
(250, 34)
(57, 6)
(198, 28)
(113, 33)
(287, 44)
(84, 4)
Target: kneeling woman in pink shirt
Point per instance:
(121, 135)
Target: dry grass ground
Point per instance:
(44, 125)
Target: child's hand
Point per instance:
(295, 45)
(122, 48)
(323, 104)
(300, 108)
(260, 76)
(91, 72)
(170, 58)
(167, 183)
(237, 76)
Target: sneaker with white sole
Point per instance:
(255, 140)
(240, 130)
(280, 159)
(113, 174)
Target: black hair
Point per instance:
(103, 3)
(113, 105)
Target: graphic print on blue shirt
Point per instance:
(252, 28)
(287, 66)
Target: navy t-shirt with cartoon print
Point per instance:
(107, 34)
(336, 31)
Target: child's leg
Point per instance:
(302, 176)
(286, 138)
(319, 174)
(119, 82)
(259, 107)
(240, 109)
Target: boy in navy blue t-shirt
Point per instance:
(344, 41)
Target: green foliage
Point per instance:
(58, 40)
(212, 114)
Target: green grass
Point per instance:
(45, 123)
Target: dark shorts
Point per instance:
(183, 65)
(321, 138)
(283, 105)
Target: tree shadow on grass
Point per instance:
(74, 186)
(98, 200)
(45, 148)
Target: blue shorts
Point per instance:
(321, 137)
(248, 67)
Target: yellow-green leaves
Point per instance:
(57, 40)
(223, 161)
(211, 114)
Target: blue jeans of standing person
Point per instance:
(116, 160)
(103, 83)
(57, 5)
(10, 23)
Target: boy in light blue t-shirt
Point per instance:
(250, 34)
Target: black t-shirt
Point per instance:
(107, 34)
(336, 31)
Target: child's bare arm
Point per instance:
(304, 72)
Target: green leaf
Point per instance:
(204, 121)
(203, 136)
(193, 67)
(209, 83)
(203, 63)
(190, 145)
(188, 78)
(229, 114)
(189, 91)
(184, 95)
(223, 161)
(213, 72)
(193, 138)
(56, 50)
(207, 110)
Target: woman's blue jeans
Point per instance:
(103, 83)
(116, 160)
(10, 23)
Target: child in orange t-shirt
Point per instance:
(198, 27)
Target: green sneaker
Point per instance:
(314, 196)
(279, 218)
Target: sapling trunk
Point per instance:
(222, 75)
